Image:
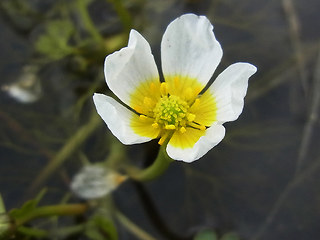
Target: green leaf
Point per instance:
(230, 236)
(4, 219)
(2, 206)
(206, 235)
(54, 42)
(100, 228)
(32, 232)
(27, 207)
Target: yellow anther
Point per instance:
(143, 117)
(163, 89)
(171, 112)
(182, 115)
(163, 138)
(170, 127)
(196, 103)
(155, 125)
(182, 130)
(191, 117)
(201, 127)
(197, 126)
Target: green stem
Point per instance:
(158, 167)
(87, 21)
(2, 206)
(54, 210)
(123, 14)
(133, 228)
(4, 219)
(70, 146)
(33, 232)
(58, 233)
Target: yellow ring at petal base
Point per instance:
(173, 109)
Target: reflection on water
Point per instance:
(260, 182)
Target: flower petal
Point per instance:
(229, 90)
(143, 127)
(189, 48)
(127, 69)
(213, 135)
(204, 109)
(118, 119)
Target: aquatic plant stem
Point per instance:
(54, 210)
(2, 206)
(123, 14)
(155, 217)
(87, 21)
(157, 168)
(294, 28)
(70, 146)
(313, 117)
(60, 232)
(4, 220)
(298, 179)
(133, 228)
(300, 173)
(33, 232)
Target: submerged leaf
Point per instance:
(230, 236)
(100, 228)
(28, 207)
(54, 42)
(4, 220)
(206, 235)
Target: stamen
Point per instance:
(170, 127)
(182, 130)
(163, 89)
(197, 126)
(196, 103)
(173, 107)
(143, 118)
(163, 138)
(191, 117)
(202, 128)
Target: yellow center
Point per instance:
(170, 112)
(174, 109)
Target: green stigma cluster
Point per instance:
(171, 112)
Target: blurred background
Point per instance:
(260, 183)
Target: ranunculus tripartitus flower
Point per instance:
(174, 110)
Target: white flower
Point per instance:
(173, 110)
(27, 89)
(94, 181)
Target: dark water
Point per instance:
(261, 181)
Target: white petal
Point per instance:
(212, 137)
(117, 117)
(93, 181)
(128, 68)
(229, 90)
(189, 48)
